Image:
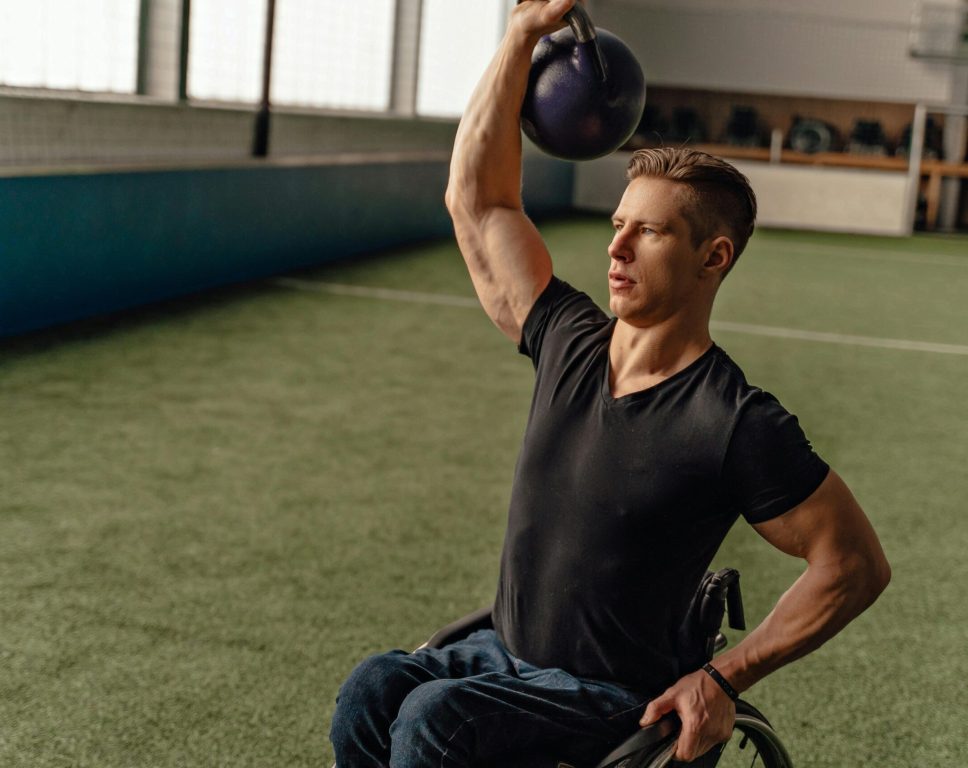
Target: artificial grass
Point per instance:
(212, 509)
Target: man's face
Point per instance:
(654, 269)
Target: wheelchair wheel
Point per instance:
(754, 744)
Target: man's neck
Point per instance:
(640, 358)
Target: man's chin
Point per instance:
(630, 313)
(620, 307)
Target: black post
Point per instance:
(260, 143)
(186, 17)
(144, 18)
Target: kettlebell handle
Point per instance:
(584, 32)
(580, 23)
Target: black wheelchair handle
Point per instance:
(734, 604)
(724, 591)
(663, 730)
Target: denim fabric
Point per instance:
(472, 703)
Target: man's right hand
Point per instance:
(535, 18)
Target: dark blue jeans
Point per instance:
(472, 703)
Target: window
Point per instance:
(457, 40)
(226, 43)
(326, 53)
(87, 46)
(333, 53)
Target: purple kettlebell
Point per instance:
(586, 91)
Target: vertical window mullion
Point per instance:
(406, 58)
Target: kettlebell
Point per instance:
(586, 91)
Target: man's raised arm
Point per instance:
(506, 257)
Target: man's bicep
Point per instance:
(508, 263)
(828, 526)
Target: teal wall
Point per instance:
(72, 246)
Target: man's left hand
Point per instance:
(706, 712)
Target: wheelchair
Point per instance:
(753, 744)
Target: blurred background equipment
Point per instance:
(686, 127)
(744, 128)
(867, 138)
(933, 140)
(810, 135)
(653, 126)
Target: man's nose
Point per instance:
(619, 248)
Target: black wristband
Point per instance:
(721, 681)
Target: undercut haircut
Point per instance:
(720, 200)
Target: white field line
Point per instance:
(840, 338)
(871, 254)
(465, 302)
(387, 294)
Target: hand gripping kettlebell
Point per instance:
(586, 91)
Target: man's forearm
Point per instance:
(820, 603)
(486, 165)
(485, 170)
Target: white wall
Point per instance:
(854, 49)
(795, 197)
(829, 199)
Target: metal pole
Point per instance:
(914, 164)
(186, 17)
(144, 17)
(260, 143)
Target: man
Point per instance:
(644, 444)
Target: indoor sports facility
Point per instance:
(254, 425)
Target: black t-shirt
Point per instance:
(619, 504)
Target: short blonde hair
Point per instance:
(721, 198)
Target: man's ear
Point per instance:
(719, 256)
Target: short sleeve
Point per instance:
(559, 305)
(770, 466)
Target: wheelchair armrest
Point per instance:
(458, 630)
(644, 741)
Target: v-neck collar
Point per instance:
(648, 392)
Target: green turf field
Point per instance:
(211, 510)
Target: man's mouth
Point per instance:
(618, 281)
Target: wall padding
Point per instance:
(86, 244)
